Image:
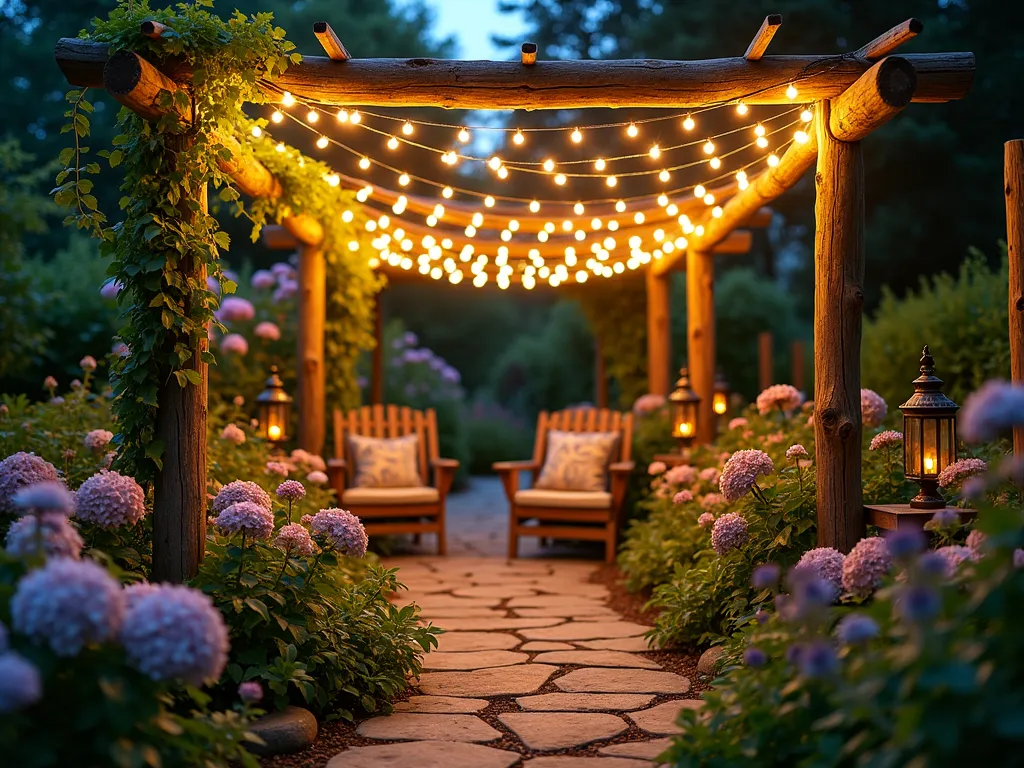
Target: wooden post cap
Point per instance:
(529, 53)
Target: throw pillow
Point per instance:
(577, 461)
(385, 462)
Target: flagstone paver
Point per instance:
(596, 659)
(408, 726)
(511, 629)
(475, 660)
(561, 730)
(584, 702)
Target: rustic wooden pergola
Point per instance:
(854, 94)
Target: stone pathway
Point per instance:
(535, 671)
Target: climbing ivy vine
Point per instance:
(167, 242)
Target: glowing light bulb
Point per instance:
(699, 191)
(470, 231)
(709, 199)
(463, 135)
(620, 206)
(407, 128)
(662, 200)
(807, 115)
(447, 192)
(632, 131)
(801, 137)
(534, 206)
(549, 226)
(715, 163)
(773, 160)
(364, 163)
(664, 176)
(581, 276)
(503, 172)
(342, 115)
(688, 123)
(709, 147)
(611, 181)
(513, 225)
(742, 109)
(276, 116)
(580, 235)
(596, 223)
(506, 235)
(478, 219)
(638, 218)
(717, 211)
(392, 143)
(599, 164)
(404, 179)
(280, 146)
(322, 142)
(560, 179)
(287, 99)
(567, 225)
(578, 209)
(542, 236)
(762, 142)
(791, 92)
(257, 131)
(672, 209)
(654, 152)
(518, 137)
(548, 165)
(347, 216)
(355, 118)
(494, 163)
(333, 179)
(759, 130)
(312, 116)
(576, 136)
(489, 201)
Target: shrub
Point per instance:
(494, 434)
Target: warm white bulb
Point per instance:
(709, 147)
(689, 124)
(599, 164)
(513, 225)
(276, 117)
(257, 131)
(322, 142)
(762, 142)
(494, 163)
(364, 163)
(611, 181)
(407, 128)
(662, 200)
(791, 92)
(620, 206)
(741, 109)
(717, 211)
(664, 176)
(312, 116)
(478, 219)
(333, 179)
(567, 225)
(807, 115)
(741, 175)
(392, 143)
(287, 99)
(560, 179)
(638, 218)
(699, 191)
(489, 201)
(654, 152)
(709, 199)
(503, 172)
(447, 192)
(715, 163)
(578, 209)
(580, 235)
(463, 135)
(632, 131)
(759, 130)
(549, 165)
(342, 115)
(773, 160)
(280, 146)
(518, 138)
(576, 136)
(534, 206)
(801, 137)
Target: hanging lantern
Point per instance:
(929, 435)
(275, 407)
(684, 409)
(720, 403)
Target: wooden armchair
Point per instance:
(588, 515)
(416, 509)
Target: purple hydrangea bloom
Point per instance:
(856, 628)
(175, 632)
(316, 477)
(762, 616)
(48, 496)
(342, 529)
(946, 518)
(711, 501)
(20, 470)
(754, 657)
(234, 344)
(741, 471)
(705, 519)
(827, 564)
(1018, 558)
(263, 279)
(932, 564)
(872, 408)
(291, 490)
(729, 533)
(21, 685)
(917, 603)
(238, 491)
(135, 592)
(246, 518)
(818, 660)
(294, 539)
(905, 542)
(994, 408)
(765, 576)
(110, 289)
(648, 403)
(887, 439)
(250, 692)
(59, 537)
(286, 289)
(864, 567)
(68, 604)
(233, 434)
(235, 308)
(267, 331)
(110, 500)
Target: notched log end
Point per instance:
(122, 73)
(319, 27)
(896, 81)
(915, 25)
(774, 19)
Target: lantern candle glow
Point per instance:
(684, 410)
(274, 409)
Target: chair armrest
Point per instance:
(509, 472)
(508, 466)
(337, 474)
(444, 474)
(620, 472)
(624, 467)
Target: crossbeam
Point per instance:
(640, 83)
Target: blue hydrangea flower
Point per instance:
(754, 657)
(918, 603)
(905, 542)
(765, 576)
(856, 628)
(818, 659)
(20, 683)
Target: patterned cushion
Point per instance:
(385, 463)
(577, 461)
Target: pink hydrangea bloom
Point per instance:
(887, 439)
(238, 491)
(173, 632)
(656, 468)
(872, 408)
(295, 540)
(342, 529)
(59, 536)
(291, 490)
(728, 533)
(782, 397)
(307, 461)
(109, 499)
(263, 279)
(709, 475)
(741, 472)
(233, 434)
(738, 422)
(705, 519)
(247, 518)
(317, 478)
(234, 344)
(958, 471)
(796, 452)
(648, 403)
(826, 563)
(236, 309)
(277, 468)
(775, 438)
(976, 540)
(20, 470)
(49, 383)
(88, 363)
(68, 604)
(954, 555)
(864, 567)
(683, 474)
(683, 497)
(267, 331)
(97, 439)
(712, 500)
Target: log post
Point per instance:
(799, 372)
(377, 356)
(1013, 187)
(700, 337)
(838, 304)
(659, 333)
(179, 488)
(765, 360)
(312, 308)
(600, 375)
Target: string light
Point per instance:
(322, 142)
(611, 181)
(518, 137)
(709, 147)
(761, 142)
(632, 131)
(773, 160)
(503, 172)
(654, 152)
(489, 201)
(759, 130)
(342, 115)
(404, 179)
(549, 165)
(276, 116)
(801, 137)
(664, 176)
(742, 109)
(494, 163)
(407, 128)
(257, 131)
(463, 136)
(280, 146)
(715, 163)
(791, 92)
(355, 118)
(392, 143)
(699, 191)
(599, 164)
(576, 136)
(287, 99)
(312, 116)
(364, 163)
(807, 115)
(560, 179)
(689, 123)
(447, 193)
(534, 206)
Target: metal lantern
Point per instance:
(929, 435)
(275, 407)
(684, 409)
(720, 404)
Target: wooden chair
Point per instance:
(412, 510)
(592, 515)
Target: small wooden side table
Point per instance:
(897, 517)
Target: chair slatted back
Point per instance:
(585, 420)
(388, 421)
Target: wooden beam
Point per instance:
(758, 46)
(889, 41)
(568, 84)
(765, 360)
(331, 43)
(528, 54)
(838, 304)
(868, 104)
(659, 333)
(312, 311)
(277, 238)
(1013, 186)
(377, 355)
(700, 338)
(137, 84)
